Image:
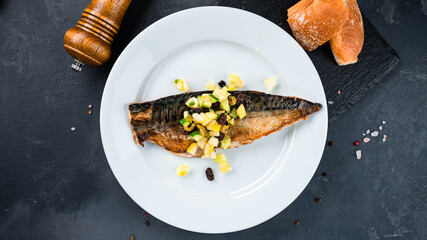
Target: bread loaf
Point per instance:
(314, 22)
(347, 43)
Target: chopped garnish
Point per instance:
(224, 129)
(213, 98)
(202, 130)
(220, 158)
(213, 125)
(225, 105)
(186, 114)
(235, 80)
(270, 83)
(232, 100)
(224, 167)
(220, 93)
(231, 121)
(231, 87)
(241, 112)
(192, 148)
(213, 154)
(211, 115)
(199, 118)
(184, 122)
(191, 127)
(182, 85)
(233, 113)
(211, 85)
(201, 143)
(192, 102)
(213, 141)
(196, 136)
(226, 142)
(182, 170)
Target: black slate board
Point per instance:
(376, 60)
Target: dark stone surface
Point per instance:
(56, 183)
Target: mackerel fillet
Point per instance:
(158, 121)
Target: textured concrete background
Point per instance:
(56, 184)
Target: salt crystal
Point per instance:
(330, 102)
(368, 131)
(380, 128)
(383, 122)
(363, 134)
(384, 139)
(366, 140)
(73, 129)
(374, 134)
(385, 136)
(90, 106)
(359, 154)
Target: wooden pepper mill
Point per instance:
(89, 42)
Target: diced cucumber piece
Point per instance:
(226, 142)
(213, 98)
(225, 105)
(184, 122)
(233, 113)
(196, 135)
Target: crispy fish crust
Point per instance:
(158, 121)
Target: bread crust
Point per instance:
(314, 22)
(348, 42)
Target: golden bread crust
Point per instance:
(314, 22)
(348, 42)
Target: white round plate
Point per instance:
(202, 44)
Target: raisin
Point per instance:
(221, 136)
(198, 110)
(221, 83)
(222, 119)
(209, 174)
(215, 106)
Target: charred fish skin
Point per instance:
(158, 121)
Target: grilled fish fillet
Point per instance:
(158, 121)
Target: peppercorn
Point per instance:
(297, 222)
(325, 174)
(331, 144)
(318, 200)
(147, 223)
